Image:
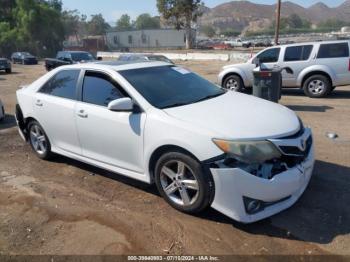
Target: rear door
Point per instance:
(297, 58)
(54, 107)
(336, 56)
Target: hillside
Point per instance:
(244, 15)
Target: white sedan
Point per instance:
(159, 123)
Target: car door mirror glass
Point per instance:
(121, 105)
(256, 61)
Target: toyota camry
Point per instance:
(159, 123)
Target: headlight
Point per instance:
(250, 152)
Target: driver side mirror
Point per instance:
(121, 105)
(256, 62)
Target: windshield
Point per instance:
(82, 57)
(25, 54)
(159, 58)
(170, 86)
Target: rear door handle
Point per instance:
(82, 114)
(39, 103)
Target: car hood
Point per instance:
(239, 116)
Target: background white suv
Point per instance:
(318, 67)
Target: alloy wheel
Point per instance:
(232, 85)
(316, 87)
(179, 183)
(38, 139)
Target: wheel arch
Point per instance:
(158, 152)
(317, 72)
(232, 74)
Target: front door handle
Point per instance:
(39, 103)
(82, 114)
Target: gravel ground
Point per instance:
(64, 207)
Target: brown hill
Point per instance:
(245, 15)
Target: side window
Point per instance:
(333, 50)
(100, 89)
(270, 55)
(130, 39)
(63, 84)
(298, 53)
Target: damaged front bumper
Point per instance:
(233, 186)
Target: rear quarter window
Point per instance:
(63, 84)
(333, 50)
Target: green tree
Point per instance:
(208, 30)
(146, 21)
(181, 13)
(97, 25)
(124, 23)
(333, 24)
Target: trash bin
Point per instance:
(267, 84)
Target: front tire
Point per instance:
(233, 83)
(317, 86)
(8, 71)
(183, 183)
(39, 141)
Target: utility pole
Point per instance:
(278, 19)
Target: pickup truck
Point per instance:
(238, 43)
(68, 58)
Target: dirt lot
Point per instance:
(66, 207)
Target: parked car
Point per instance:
(5, 65)
(2, 111)
(144, 58)
(163, 124)
(262, 43)
(68, 58)
(24, 58)
(318, 67)
(221, 46)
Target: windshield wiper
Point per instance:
(175, 105)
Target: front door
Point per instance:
(114, 138)
(268, 58)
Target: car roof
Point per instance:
(73, 52)
(117, 65)
(316, 42)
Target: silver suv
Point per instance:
(318, 67)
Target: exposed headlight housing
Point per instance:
(249, 152)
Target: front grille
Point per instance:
(3, 62)
(293, 155)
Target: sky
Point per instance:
(113, 9)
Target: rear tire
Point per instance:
(183, 183)
(233, 83)
(8, 71)
(317, 86)
(39, 141)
